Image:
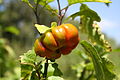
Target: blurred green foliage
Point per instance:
(17, 35)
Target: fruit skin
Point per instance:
(49, 41)
(42, 51)
(66, 34)
(39, 48)
(65, 50)
(59, 35)
(71, 35)
(60, 40)
(53, 55)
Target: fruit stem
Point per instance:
(45, 69)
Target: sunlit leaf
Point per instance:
(2, 42)
(7, 58)
(81, 1)
(1, 1)
(12, 29)
(43, 1)
(88, 25)
(116, 50)
(27, 64)
(98, 37)
(79, 68)
(52, 10)
(28, 57)
(103, 68)
(53, 24)
(10, 50)
(27, 1)
(42, 28)
(6, 47)
(26, 69)
(55, 78)
(86, 11)
(87, 16)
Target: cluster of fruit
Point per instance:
(60, 40)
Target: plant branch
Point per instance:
(59, 8)
(36, 12)
(45, 69)
(30, 5)
(61, 16)
(82, 74)
(37, 69)
(90, 75)
(34, 9)
(66, 8)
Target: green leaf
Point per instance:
(109, 64)
(87, 12)
(55, 78)
(79, 68)
(10, 50)
(1, 1)
(26, 69)
(102, 67)
(12, 29)
(81, 1)
(2, 42)
(89, 26)
(52, 10)
(53, 24)
(28, 57)
(116, 50)
(43, 1)
(27, 64)
(87, 16)
(6, 47)
(26, 1)
(89, 66)
(57, 71)
(98, 37)
(29, 4)
(42, 28)
(34, 76)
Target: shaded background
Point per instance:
(17, 35)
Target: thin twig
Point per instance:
(37, 70)
(65, 12)
(64, 8)
(36, 12)
(90, 75)
(82, 74)
(45, 70)
(59, 8)
(60, 12)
